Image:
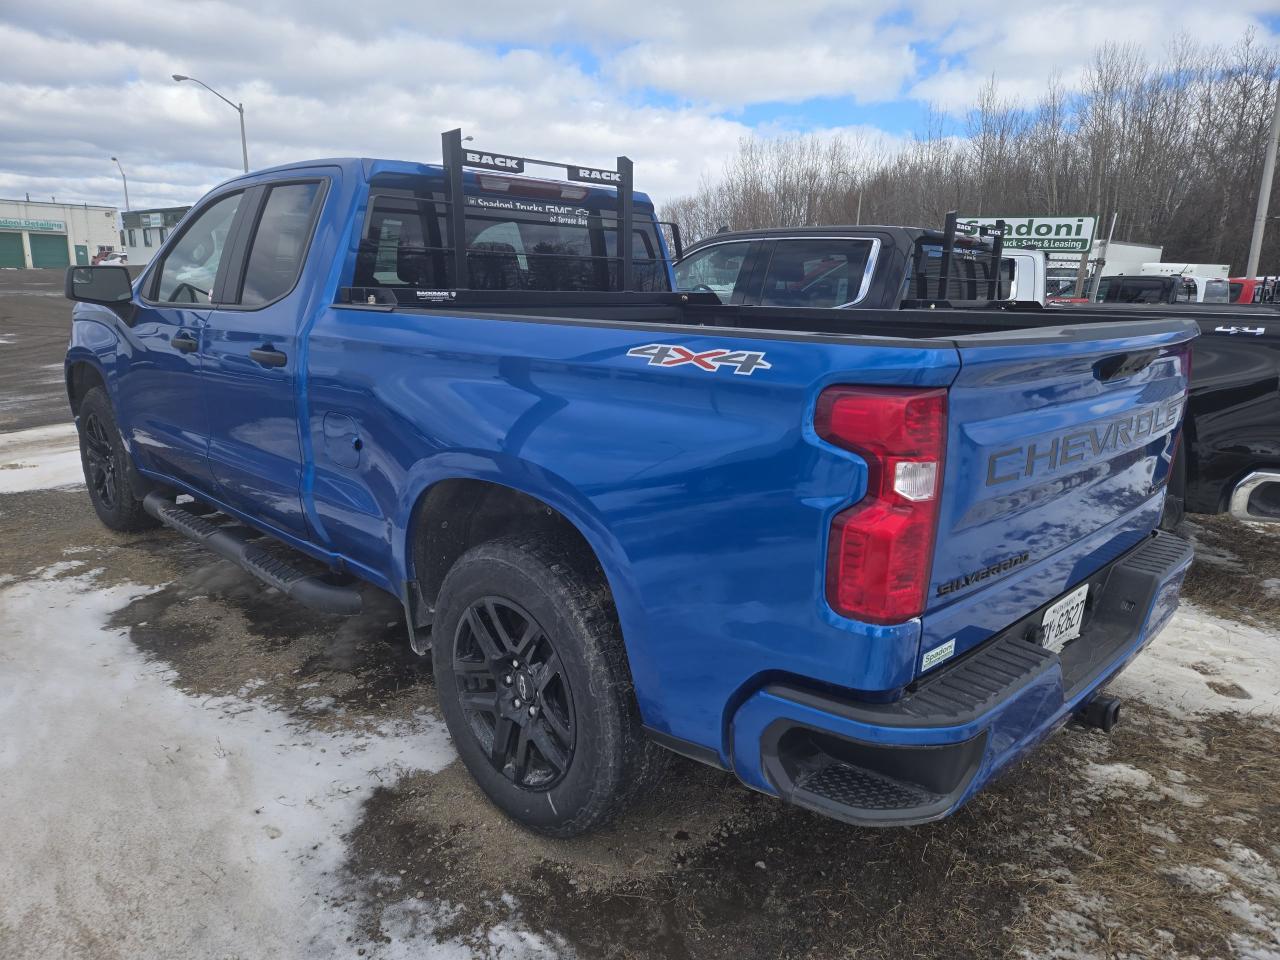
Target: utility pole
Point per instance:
(237, 107)
(1102, 260)
(126, 184)
(1264, 190)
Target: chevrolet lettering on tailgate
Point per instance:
(1080, 446)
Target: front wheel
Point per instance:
(106, 466)
(534, 687)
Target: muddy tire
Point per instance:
(108, 471)
(535, 689)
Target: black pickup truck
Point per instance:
(869, 267)
(1231, 458)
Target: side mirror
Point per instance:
(111, 286)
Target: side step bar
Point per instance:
(230, 544)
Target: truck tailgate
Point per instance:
(1054, 436)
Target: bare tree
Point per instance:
(1174, 148)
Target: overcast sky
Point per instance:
(672, 85)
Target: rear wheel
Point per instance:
(107, 468)
(534, 687)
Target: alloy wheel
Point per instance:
(100, 460)
(514, 693)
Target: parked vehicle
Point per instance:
(1140, 288)
(111, 258)
(864, 561)
(1204, 290)
(871, 267)
(1231, 461)
(1216, 271)
(1136, 288)
(1245, 290)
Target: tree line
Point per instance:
(1174, 148)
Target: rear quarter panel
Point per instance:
(706, 495)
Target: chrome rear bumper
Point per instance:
(1244, 491)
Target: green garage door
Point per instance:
(11, 250)
(49, 250)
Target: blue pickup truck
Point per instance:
(862, 563)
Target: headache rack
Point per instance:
(458, 156)
(942, 283)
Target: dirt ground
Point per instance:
(1161, 840)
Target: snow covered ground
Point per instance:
(142, 821)
(1201, 663)
(40, 458)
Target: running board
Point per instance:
(251, 556)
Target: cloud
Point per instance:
(666, 82)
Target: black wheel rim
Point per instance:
(100, 461)
(514, 693)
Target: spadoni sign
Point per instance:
(1062, 234)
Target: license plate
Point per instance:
(1063, 620)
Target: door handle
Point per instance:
(184, 342)
(268, 356)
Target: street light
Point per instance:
(238, 107)
(126, 184)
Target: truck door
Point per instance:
(159, 399)
(251, 356)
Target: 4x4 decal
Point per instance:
(745, 362)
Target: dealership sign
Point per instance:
(16, 223)
(1062, 234)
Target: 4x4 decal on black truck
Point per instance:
(673, 355)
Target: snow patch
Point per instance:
(172, 825)
(40, 458)
(1118, 779)
(1197, 649)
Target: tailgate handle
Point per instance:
(1123, 365)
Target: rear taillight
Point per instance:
(881, 549)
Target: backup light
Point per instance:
(880, 550)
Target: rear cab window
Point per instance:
(518, 237)
(1217, 291)
(1136, 290)
(970, 274)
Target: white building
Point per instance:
(35, 233)
(144, 230)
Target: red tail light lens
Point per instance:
(881, 549)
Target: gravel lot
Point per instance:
(191, 767)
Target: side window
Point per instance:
(279, 243)
(715, 268)
(190, 268)
(815, 273)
